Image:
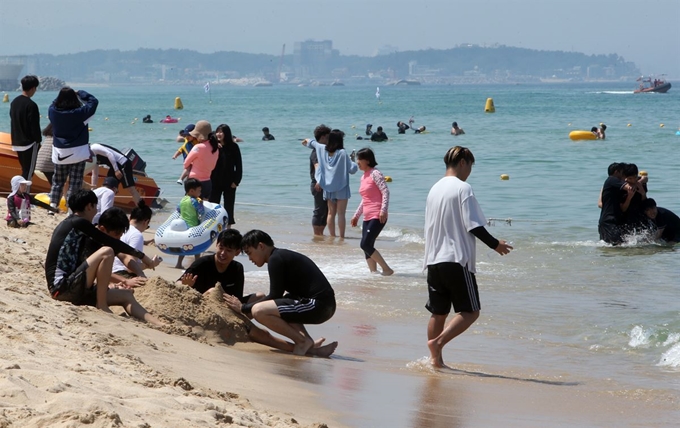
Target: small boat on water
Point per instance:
(652, 85)
(146, 186)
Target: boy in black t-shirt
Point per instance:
(299, 294)
(79, 260)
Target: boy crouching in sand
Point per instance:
(299, 294)
(207, 271)
(73, 278)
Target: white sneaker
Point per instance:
(180, 182)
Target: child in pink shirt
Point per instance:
(375, 199)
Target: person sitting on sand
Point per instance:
(114, 222)
(106, 195)
(140, 217)
(456, 130)
(19, 203)
(299, 294)
(73, 278)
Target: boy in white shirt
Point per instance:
(105, 196)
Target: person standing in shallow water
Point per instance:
(375, 199)
(453, 219)
(228, 172)
(335, 166)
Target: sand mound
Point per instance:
(205, 318)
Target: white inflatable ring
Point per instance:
(174, 237)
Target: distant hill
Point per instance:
(495, 63)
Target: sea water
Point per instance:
(563, 305)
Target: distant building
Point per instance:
(314, 58)
(10, 69)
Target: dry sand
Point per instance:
(68, 366)
(63, 365)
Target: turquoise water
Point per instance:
(562, 305)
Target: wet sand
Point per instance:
(62, 364)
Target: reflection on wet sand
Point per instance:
(439, 407)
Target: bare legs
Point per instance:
(438, 335)
(268, 315)
(99, 269)
(339, 208)
(377, 259)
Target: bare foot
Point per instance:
(302, 348)
(387, 272)
(324, 351)
(318, 342)
(436, 358)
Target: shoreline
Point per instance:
(113, 368)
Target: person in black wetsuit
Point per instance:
(379, 135)
(299, 293)
(74, 276)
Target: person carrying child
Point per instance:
(191, 209)
(188, 141)
(19, 203)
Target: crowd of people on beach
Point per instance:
(96, 254)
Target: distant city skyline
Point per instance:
(645, 33)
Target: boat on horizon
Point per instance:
(648, 84)
(146, 186)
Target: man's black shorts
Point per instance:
(451, 283)
(305, 311)
(128, 179)
(74, 289)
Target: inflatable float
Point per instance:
(169, 119)
(582, 135)
(174, 237)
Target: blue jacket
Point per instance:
(69, 127)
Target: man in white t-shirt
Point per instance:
(105, 196)
(453, 219)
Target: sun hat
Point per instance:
(202, 130)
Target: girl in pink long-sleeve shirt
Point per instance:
(203, 156)
(375, 199)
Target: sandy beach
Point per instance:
(67, 366)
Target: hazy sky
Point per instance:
(646, 32)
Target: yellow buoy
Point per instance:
(630, 124)
(505, 177)
(643, 173)
(45, 198)
(661, 125)
(388, 178)
(489, 108)
(353, 127)
(178, 103)
(90, 129)
(106, 118)
(5, 98)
